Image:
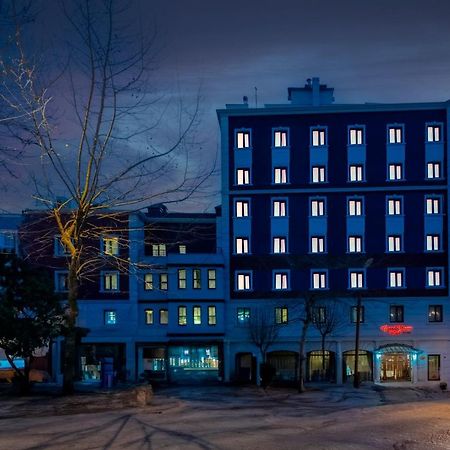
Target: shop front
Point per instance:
(396, 363)
(91, 356)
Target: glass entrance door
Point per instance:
(396, 367)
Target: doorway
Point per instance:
(395, 367)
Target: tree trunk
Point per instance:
(323, 355)
(302, 357)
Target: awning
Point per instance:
(396, 348)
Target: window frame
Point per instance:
(103, 277)
(397, 127)
(148, 283)
(281, 278)
(246, 314)
(434, 271)
(394, 168)
(283, 131)
(315, 242)
(281, 315)
(197, 315)
(105, 242)
(149, 313)
(182, 318)
(182, 281)
(163, 285)
(246, 133)
(241, 245)
(283, 174)
(433, 170)
(112, 313)
(247, 276)
(241, 206)
(321, 174)
(196, 278)
(280, 205)
(396, 271)
(396, 313)
(322, 275)
(317, 204)
(212, 318)
(438, 357)
(246, 176)
(159, 250)
(434, 126)
(281, 243)
(322, 131)
(57, 275)
(358, 172)
(212, 280)
(354, 314)
(438, 311)
(356, 128)
(433, 200)
(357, 239)
(161, 313)
(357, 273)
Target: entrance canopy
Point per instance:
(396, 348)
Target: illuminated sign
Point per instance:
(395, 330)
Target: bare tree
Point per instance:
(263, 331)
(117, 153)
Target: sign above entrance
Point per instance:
(395, 330)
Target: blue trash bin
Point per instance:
(107, 372)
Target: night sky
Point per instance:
(369, 51)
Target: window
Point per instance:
(241, 245)
(281, 281)
(432, 242)
(434, 278)
(395, 172)
(181, 278)
(396, 313)
(212, 318)
(356, 136)
(242, 139)
(197, 315)
(109, 317)
(196, 278)
(211, 278)
(163, 281)
(182, 249)
(317, 244)
(159, 249)
(280, 175)
(241, 208)
(280, 138)
(148, 316)
(60, 249)
(433, 205)
(61, 281)
(395, 278)
(394, 206)
(319, 314)
(182, 315)
(355, 207)
(356, 279)
(279, 245)
(435, 313)
(8, 242)
(395, 135)
(279, 208)
(318, 174)
(433, 170)
(394, 243)
(319, 280)
(281, 315)
(318, 137)
(242, 176)
(354, 314)
(433, 133)
(354, 244)
(434, 367)
(163, 316)
(110, 245)
(110, 281)
(243, 316)
(148, 281)
(317, 208)
(243, 281)
(355, 172)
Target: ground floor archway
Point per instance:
(245, 365)
(285, 364)
(321, 366)
(365, 365)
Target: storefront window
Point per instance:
(434, 367)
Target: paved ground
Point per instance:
(245, 418)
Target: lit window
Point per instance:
(148, 281)
(394, 206)
(197, 315)
(433, 133)
(317, 244)
(433, 242)
(109, 317)
(319, 280)
(211, 278)
(243, 316)
(241, 208)
(435, 313)
(196, 278)
(317, 207)
(396, 278)
(61, 281)
(395, 172)
(319, 314)
(396, 313)
(280, 138)
(243, 282)
(354, 314)
(212, 318)
(163, 316)
(148, 316)
(242, 176)
(182, 249)
(395, 135)
(281, 281)
(163, 281)
(354, 244)
(281, 315)
(355, 172)
(110, 281)
(394, 244)
(434, 367)
(433, 170)
(159, 249)
(181, 278)
(318, 174)
(318, 137)
(279, 245)
(182, 315)
(111, 245)
(433, 205)
(241, 246)
(434, 278)
(242, 139)
(356, 279)
(356, 136)
(280, 175)
(279, 208)
(355, 207)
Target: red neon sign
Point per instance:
(395, 330)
